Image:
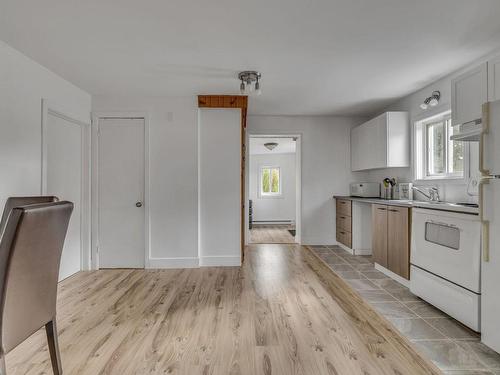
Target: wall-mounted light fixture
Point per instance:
(247, 78)
(432, 100)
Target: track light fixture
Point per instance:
(432, 100)
(247, 78)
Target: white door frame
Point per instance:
(298, 179)
(85, 199)
(96, 117)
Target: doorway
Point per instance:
(121, 229)
(274, 189)
(65, 174)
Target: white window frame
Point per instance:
(421, 152)
(270, 194)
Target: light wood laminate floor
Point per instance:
(275, 315)
(267, 233)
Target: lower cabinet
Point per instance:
(391, 238)
(379, 234)
(344, 222)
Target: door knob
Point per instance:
(138, 204)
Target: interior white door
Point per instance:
(219, 187)
(63, 178)
(121, 238)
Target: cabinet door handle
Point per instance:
(393, 210)
(381, 209)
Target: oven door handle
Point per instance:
(444, 224)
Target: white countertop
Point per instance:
(441, 206)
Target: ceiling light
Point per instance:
(247, 78)
(432, 100)
(270, 145)
(436, 95)
(258, 91)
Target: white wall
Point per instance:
(280, 208)
(326, 169)
(173, 163)
(219, 185)
(450, 191)
(23, 84)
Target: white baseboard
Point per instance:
(220, 261)
(345, 248)
(355, 251)
(392, 275)
(363, 252)
(191, 262)
(311, 241)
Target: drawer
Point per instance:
(344, 237)
(343, 207)
(344, 222)
(458, 302)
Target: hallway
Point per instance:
(266, 233)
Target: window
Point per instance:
(270, 182)
(436, 156)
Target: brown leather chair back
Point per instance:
(22, 201)
(30, 253)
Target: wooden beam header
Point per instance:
(223, 101)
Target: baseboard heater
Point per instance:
(272, 221)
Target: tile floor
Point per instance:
(454, 348)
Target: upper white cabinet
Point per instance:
(494, 79)
(382, 142)
(468, 93)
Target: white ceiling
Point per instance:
(316, 57)
(285, 146)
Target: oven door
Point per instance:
(448, 245)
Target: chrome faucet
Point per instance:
(432, 195)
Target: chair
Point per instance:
(22, 201)
(30, 253)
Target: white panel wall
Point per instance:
(23, 84)
(273, 208)
(326, 168)
(219, 184)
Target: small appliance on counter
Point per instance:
(365, 189)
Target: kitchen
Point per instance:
(367, 245)
(427, 216)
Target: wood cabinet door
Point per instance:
(398, 242)
(379, 234)
(343, 207)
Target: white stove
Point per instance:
(446, 262)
